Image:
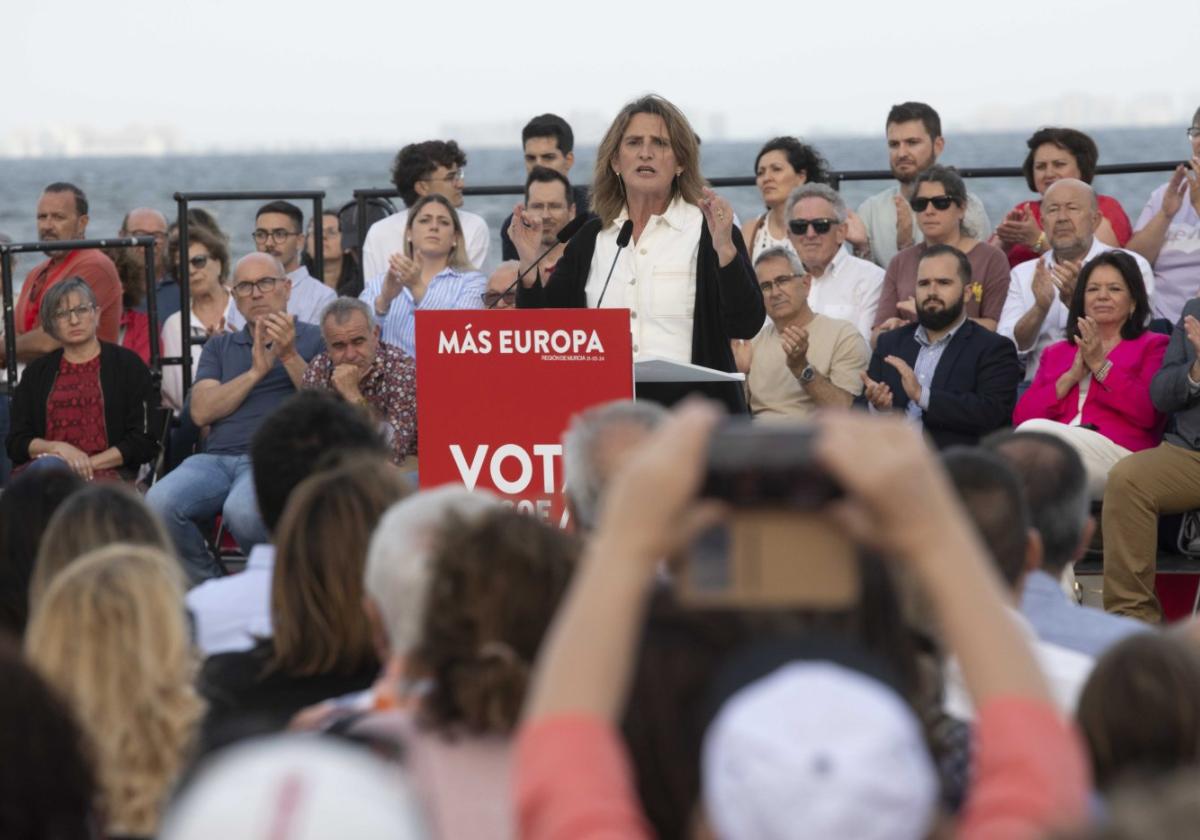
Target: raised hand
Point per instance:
(795, 348)
(1172, 198)
(1019, 228)
(718, 215)
(856, 233)
(262, 356)
(908, 378)
(1091, 346)
(878, 394)
(1193, 177)
(403, 271)
(526, 235)
(1044, 287)
(280, 330)
(1065, 273)
(904, 222)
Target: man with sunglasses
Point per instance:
(279, 231)
(242, 377)
(914, 138)
(842, 285)
(421, 169)
(800, 361)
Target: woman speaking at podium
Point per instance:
(685, 276)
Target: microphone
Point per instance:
(622, 240)
(568, 230)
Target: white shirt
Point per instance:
(654, 278)
(386, 237)
(172, 345)
(1054, 328)
(308, 298)
(878, 214)
(233, 613)
(849, 290)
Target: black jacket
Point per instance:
(126, 385)
(729, 305)
(974, 388)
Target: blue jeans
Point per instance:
(194, 493)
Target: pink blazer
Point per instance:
(1119, 408)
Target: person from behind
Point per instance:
(915, 142)
(279, 231)
(85, 403)
(1093, 390)
(434, 167)
(1039, 291)
(956, 378)
(1168, 233)
(1054, 154)
(62, 215)
(342, 272)
(843, 286)
(110, 635)
(320, 644)
(433, 272)
(1056, 488)
(939, 205)
(800, 361)
(548, 143)
(782, 165)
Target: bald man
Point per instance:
(242, 377)
(1039, 291)
(146, 221)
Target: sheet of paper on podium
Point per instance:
(654, 369)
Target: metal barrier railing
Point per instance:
(10, 331)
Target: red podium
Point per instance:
(497, 389)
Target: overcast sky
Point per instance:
(301, 72)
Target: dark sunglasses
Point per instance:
(821, 226)
(199, 261)
(939, 202)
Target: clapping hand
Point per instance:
(262, 354)
(908, 379)
(1019, 228)
(1091, 346)
(795, 348)
(878, 394)
(280, 329)
(904, 222)
(1044, 288)
(402, 271)
(1064, 275)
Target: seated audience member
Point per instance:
(1056, 489)
(782, 165)
(1161, 480)
(433, 272)
(134, 332)
(1039, 291)
(111, 636)
(47, 781)
(309, 429)
(1168, 233)
(302, 787)
(368, 374)
(915, 141)
(958, 379)
(242, 377)
(62, 215)
(549, 143)
(85, 403)
(208, 271)
(1140, 711)
(843, 286)
(938, 205)
(548, 208)
(92, 518)
(994, 501)
(146, 221)
(569, 756)
(595, 445)
(1093, 390)
(279, 231)
(26, 507)
(435, 167)
(1054, 154)
(342, 272)
(800, 361)
(1161, 807)
(320, 644)
(501, 292)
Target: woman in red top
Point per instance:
(1093, 389)
(1056, 153)
(83, 404)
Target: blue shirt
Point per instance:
(227, 356)
(451, 289)
(927, 361)
(166, 299)
(1058, 621)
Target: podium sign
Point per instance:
(496, 389)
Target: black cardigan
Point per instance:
(126, 385)
(729, 305)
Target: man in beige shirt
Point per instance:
(799, 361)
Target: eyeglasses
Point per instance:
(777, 284)
(939, 202)
(1193, 132)
(490, 299)
(200, 260)
(80, 312)
(277, 235)
(451, 176)
(821, 226)
(246, 288)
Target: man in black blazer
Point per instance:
(955, 377)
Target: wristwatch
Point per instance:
(807, 374)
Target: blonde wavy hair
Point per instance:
(608, 193)
(458, 259)
(110, 634)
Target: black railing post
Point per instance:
(10, 320)
(318, 220)
(152, 317)
(185, 296)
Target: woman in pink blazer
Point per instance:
(1093, 389)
